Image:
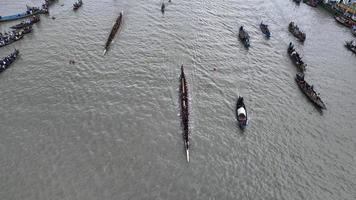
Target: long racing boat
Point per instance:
(114, 29)
(183, 89)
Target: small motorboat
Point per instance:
(244, 37)
(241, 112)
(265, 30)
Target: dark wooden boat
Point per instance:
(244, 37)
(308, 90)
(241, 113)
(25, 30)
(344, 21)
(297, 1)
(27, 23)
(38, 10)
(183, 90)
(265, 30)
(296, 59)
(77, 5)
(8, 60)
(163, 7)
(8, 38)
(47, 3)
(312, 3)
(294, 29)
(114, 29)
(351, 45)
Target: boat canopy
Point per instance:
(241, 111)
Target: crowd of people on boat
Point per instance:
(296, 31)
(27, 22)
(7, 38)
(295, 55)
(5, 62)
(309, 89)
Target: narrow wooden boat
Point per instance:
(344, 21)
(8, 38)
(296, 59)
(308, 90)
(244, 37)
(294, 29)
(351, 45)
(24, 30)
(297, 2)
(8, 60)
(163, 7)
(27, 23)
(183, 90)
(312, 3)
(265, 30)
(114, 29)
(241, 113)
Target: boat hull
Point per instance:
(22, 15)
(8, 60)
(310, 93)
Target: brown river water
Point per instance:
(108, 127)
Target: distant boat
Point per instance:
(265, 30)
(163, 7)
(244, 37)
(344, 21)
(297, 1)
(312, 3)
(241, 112)
(183, 90)
(294, 56)
(114, 29)
(30, 11)
(77, 5)
(294, 29)
(351, 46)
(6, 39)
(309, 91)
(26, 23)
(8, 60)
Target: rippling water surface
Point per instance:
(108, 127)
